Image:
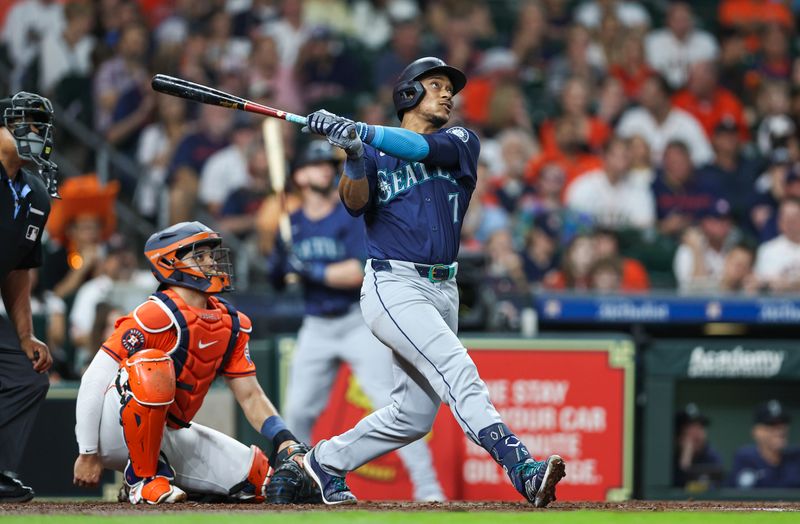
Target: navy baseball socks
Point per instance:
(533, 479)
(334, 489)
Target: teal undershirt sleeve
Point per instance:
(395, 141)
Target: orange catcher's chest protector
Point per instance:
(205, 341)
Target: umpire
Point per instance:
(26, 141)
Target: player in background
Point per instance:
(328, 252)
(26, 142)
(155, 370)
(412, 185)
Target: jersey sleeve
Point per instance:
(240, 364)
(147, 327)
(455, 147)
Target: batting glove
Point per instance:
(320, 121)
(343, 134)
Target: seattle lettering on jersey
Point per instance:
(408, 176)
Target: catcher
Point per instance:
(155, 370)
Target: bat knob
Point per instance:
(352, 134)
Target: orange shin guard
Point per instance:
(147, 383)
(259, 470)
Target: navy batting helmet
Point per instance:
(408, 90)
(166, 250)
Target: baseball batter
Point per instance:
(412, 185)
(328, 252)
(155, 370)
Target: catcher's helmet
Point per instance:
(19, 114)
(166, 249)
(408, 90)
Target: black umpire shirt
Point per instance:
(24, 208)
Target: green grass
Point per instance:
(365, 517)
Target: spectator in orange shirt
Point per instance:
(606, 247)
(575, 107)
(633, 69)
(571, 154)
(750, 16)
(709, 103)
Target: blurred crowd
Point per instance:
(626, 146)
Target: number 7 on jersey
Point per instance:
(454, 198)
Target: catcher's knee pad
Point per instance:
(146, 382)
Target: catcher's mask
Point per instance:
(189, 254)
(29, 118)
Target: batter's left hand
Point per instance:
(37, 353)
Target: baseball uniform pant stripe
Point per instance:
(472, 434)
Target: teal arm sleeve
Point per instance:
(395, 141)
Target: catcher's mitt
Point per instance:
(290, 484)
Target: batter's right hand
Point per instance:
(319, 122)
(87, 470)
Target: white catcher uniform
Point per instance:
(204, 459)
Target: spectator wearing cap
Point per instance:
(731, 171)
(540, 258)
(710, 103)
(671, 50)
(778, 261)
(659, 122)
(771, 462)
(700, 259)
(610, 195)
(680, 196)
(79, 223)
(695, 460)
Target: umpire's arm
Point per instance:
(16, 291)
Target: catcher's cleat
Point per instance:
(333, 489)
(153, 490)
(536, 480)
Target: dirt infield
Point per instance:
(112, 508)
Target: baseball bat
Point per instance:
(273, 146)
(207, 95)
